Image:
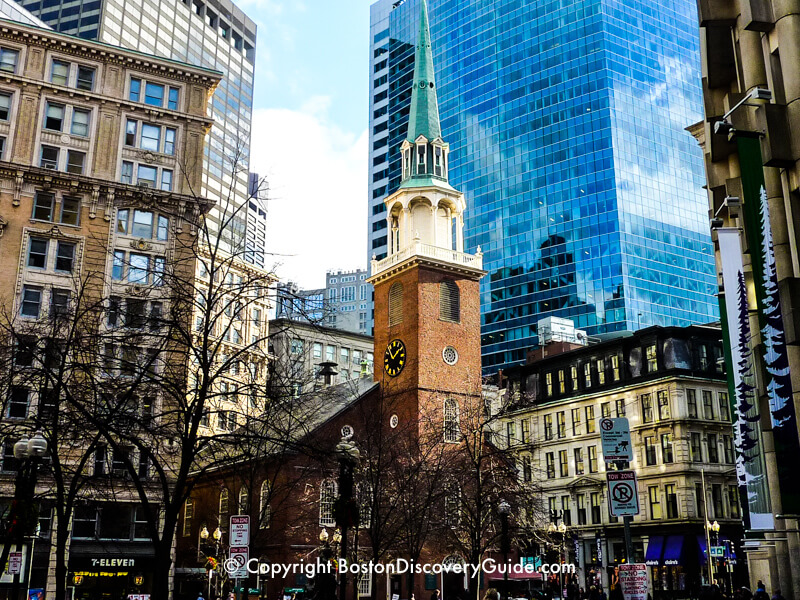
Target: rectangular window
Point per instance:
(31, 302)
(652, 358)
(566, 512)
(650, 450)
(574, 376)
(131, 127)
(48, 159)
(135, 89)
(592, 459)
(578, 461)
(590, 423)
(142, 224)
(75, 162)
(713, 450)
(601, 371)
(587, 374)
(605, 410)
(525, 431)
(620, 405)
(85, 79)
(59, 303)
(727, 448)
(154, 94)
(126, 173)
(548, 427)
(700, 501)
(733, 501)
(8, 60)
(663, 404)
(146, 176)
(138, 268)
(548, 378)
(151, 138)
(37, 253)
(696, 447)
(595, 502)
(655, 502)
(551, 465)
(511, 433)
(43, 206)
(173, 99)
(65, 257)
(647, 408)
(691, 403)
(5, 106)
(162, 229)
(59, 73)
(561, 423)
(666, 447)
(561, 385)
(563, 463)
(672, 501)
(615, 367)
(54, 116)
(527, 472)
(581, 509)
(18, 403)
(118, 266)
(708, 405)
(716, 500)
(317, 350)
(169, 140)
(724, 407)
(166, 180)
(80, 122)
(576, 421)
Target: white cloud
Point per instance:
(318, 179)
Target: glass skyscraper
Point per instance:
(566, 126)
(210, 33)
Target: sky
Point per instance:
(309, 134)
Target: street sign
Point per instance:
(240, 530)
(718, 551)
(633, 581)
(14, 563)
(237, 568)
(622, 492)
(616, 438)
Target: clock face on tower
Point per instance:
(394, 359)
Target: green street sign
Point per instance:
(718, 551)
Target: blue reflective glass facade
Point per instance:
(566, 120)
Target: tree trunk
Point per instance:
(161, 572)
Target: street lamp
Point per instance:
(349, 456)
(505, 544)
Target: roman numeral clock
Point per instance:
(394, 359)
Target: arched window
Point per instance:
(327, 497)
(449, 301)
(451, 426)
(188, 515)
(396, 304)
(224, 507)
(264, 509)
(244, 501)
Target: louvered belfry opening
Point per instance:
(396, 304)
(449, 309)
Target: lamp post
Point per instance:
(505, 544)
(713, 529)
(203, 538)
(217, 535)
(561, 528)
(349, 456)
(23, 512)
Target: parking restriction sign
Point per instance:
(622, 492)
(615, 435)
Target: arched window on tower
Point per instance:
(449, 301)
(327, 497)
(421, 159)
(396, 304)
(451, 424)
(264, 509)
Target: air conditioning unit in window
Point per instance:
(144, 184)
(50, 166)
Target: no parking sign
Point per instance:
(622, 493)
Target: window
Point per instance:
(59, 303)
(80, 122)
(724, 407)
(587, 374)
(395, 304)
(666, 447)
(708, 405)
(8, 60)
(672, 501)
(37, 253)
(548, 378)
(700, 502)
(135, 89)
(650, 450)
(154, 94)
(169, 140)
(713, 450)
(563, 463)
(561, 423)
(652, 359)
(172, 102)
(365, 584)
(330, 353)
(595, 501)
(605, 410)
(601, 371)
(615, 367)
(126, 172)
(576, 421)
(727, 448)
(527, 472)
(25, 351)
(451, 425)
(188, 515)
(716, 500)
(663, 404)
(244, 501)
(317, 350)
(449, 301)
(327, 498)
(561, 386)
(655, 502)
(566, 512)
(620, 406)
(548, 427)
(551, 465)
(18, 403)
(592, 459)
(733, 501)
(5, 106)
(264, 508)
(85, 79)
(691, 403)
(590, 423)
(84, 522)
(696, 447)
(573, 370)
(452, 505)
(146, 176)
(48, 159)
(75, 162)
(31, 302)
(578, 461)
(59, 74)
(224, 507)
(525, 431)
(551, 504)
(581, 509)
(151, 138)
(511, 435)
(54, 116)
(647, 408)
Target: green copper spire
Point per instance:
(423, 118)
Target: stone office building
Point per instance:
(670, 384)
(94, 205)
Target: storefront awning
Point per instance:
(673, 549)
(655, 547)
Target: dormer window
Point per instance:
(421, 159)
(437, 161)
(406, 163)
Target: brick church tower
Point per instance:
(427, 301)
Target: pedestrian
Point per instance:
(761, 592)
(436, 595)
(777, 595)
(200, 596)
(491, 594)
